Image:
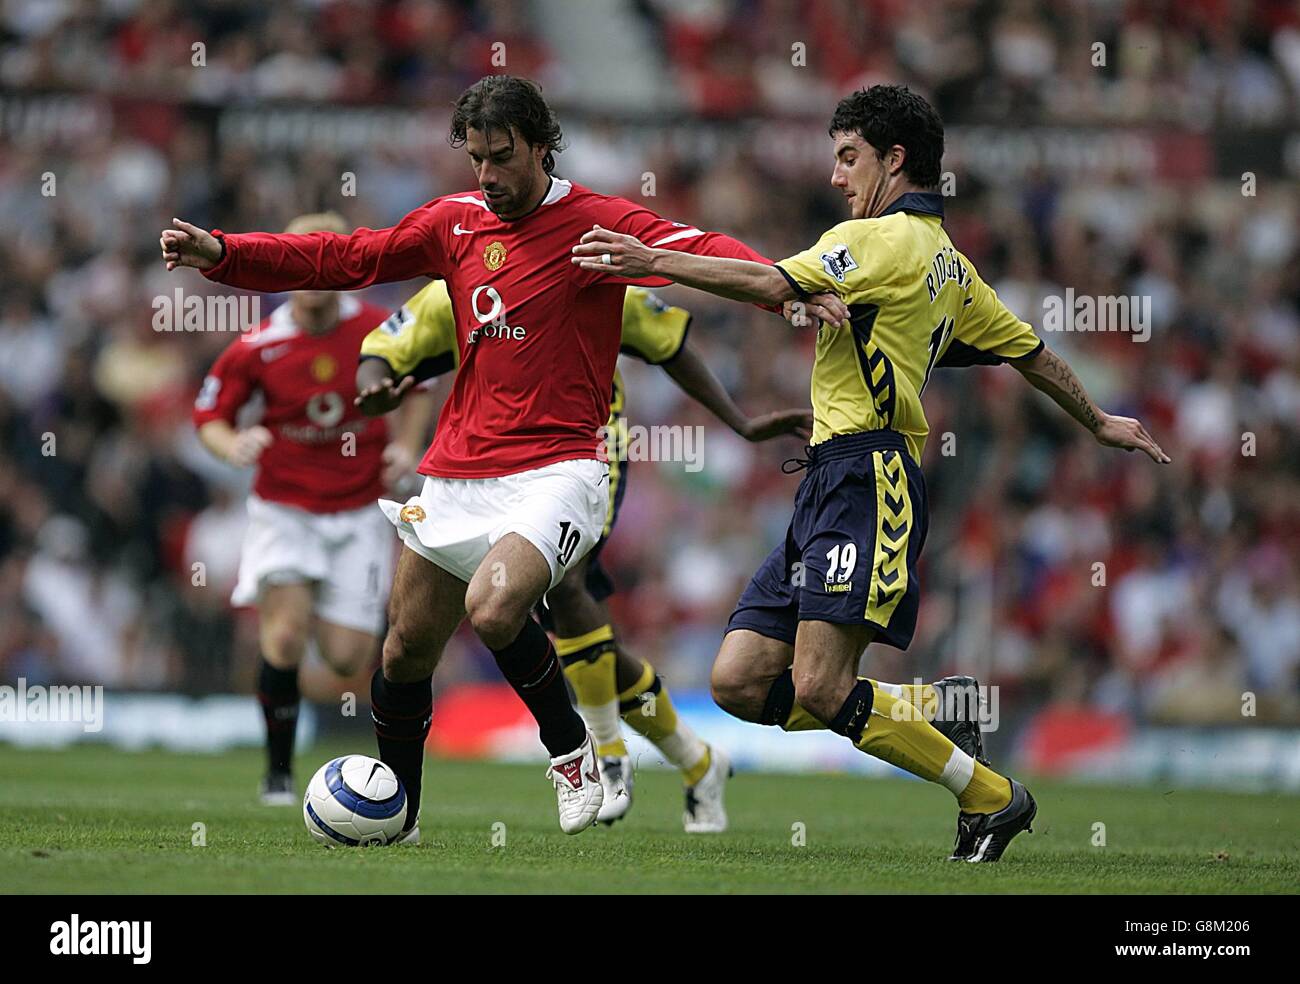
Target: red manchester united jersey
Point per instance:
(538, 336)
(326, 456)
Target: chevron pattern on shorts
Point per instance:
(893, 524)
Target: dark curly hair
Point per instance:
(885, 115)
(502, 102)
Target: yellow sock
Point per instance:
(648, 710)
(801, 720)
(897, 734)
(987, 791)
(921, 696)
(589, 665)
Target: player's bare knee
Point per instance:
(736, 692)
(732, 696)
(346, 659)
(284, 643)
(394, 650)
(496, 618)
(497, 628)
(404, 657)
(345, 666)
(815, 691)
(743, 673)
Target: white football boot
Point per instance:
(616, 777)
(706, 813)
(411, 837)
(577, 786)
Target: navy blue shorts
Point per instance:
(850, 553)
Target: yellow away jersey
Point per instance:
(915, 303)
(653, 331)
(419, 338)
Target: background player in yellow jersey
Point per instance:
(846, 574)
(419, 342)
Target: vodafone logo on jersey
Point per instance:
(325, 409)
(490, 312)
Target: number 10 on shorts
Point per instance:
(569, 537)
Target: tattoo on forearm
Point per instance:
(1055, 378)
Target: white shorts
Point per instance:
(453, 522)
(348, 556)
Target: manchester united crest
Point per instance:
(412, 514)
(494, 256)
(323, 368)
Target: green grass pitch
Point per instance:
(94, 820)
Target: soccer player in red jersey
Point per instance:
(317, 556)
(609, 683)
(514, 490)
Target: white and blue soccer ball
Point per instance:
(354, 801)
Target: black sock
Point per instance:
(530, 666)
(277, 692)
(850, 719)
(780, 701)
(402, 713)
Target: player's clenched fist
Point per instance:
(247, 446)
(188, 245)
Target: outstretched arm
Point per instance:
(697, 381)
(734, 279)
(311, 261)
(603, 251)
(1049, 373)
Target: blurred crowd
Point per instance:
(1179, 61)
(1185, 61)
(1062, 571)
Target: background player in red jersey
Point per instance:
(317, 555)
(514, 490)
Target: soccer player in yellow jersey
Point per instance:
(846, 574)
(419, 342)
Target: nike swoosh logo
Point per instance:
(458, 231)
